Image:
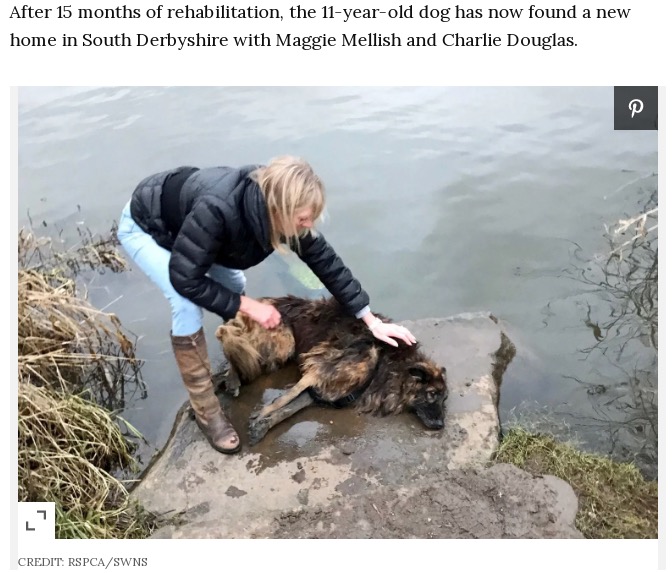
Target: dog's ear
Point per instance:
(219, 332)
(419, 373)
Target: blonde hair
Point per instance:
(288, 185)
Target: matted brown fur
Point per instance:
(339, 360)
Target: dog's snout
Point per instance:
(431, 415)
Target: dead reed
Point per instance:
(67, 351)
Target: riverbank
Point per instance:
(72, 362)
(325, 473)
(615, 501)
(334, 474)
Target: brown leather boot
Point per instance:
(191, 354)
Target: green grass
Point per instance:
(615, 501)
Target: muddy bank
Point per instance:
(323, 472)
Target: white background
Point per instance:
(609, 52)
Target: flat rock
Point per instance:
(499, 502)
(324, 471)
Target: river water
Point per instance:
(441, 201)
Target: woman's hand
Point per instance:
(262, 312)
(387, 332)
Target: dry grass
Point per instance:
(615, 501)
(73, 357)
(93, 253)
(62, 338)
(67, 447)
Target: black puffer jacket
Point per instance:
(218, 215)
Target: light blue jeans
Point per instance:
(153, 260)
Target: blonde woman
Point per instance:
(193, 232)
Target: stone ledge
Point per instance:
(245, 495)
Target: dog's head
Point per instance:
(426, 391)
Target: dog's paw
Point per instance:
(232, 385)
(256, 413)
(257, 429)
(226, 379)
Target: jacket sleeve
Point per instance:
(193, 253)
(320, 256)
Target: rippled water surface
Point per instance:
(441, 200)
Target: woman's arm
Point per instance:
(318, 254)
(193, 253)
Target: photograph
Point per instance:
(339, 312)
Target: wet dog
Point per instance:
(340, 362)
